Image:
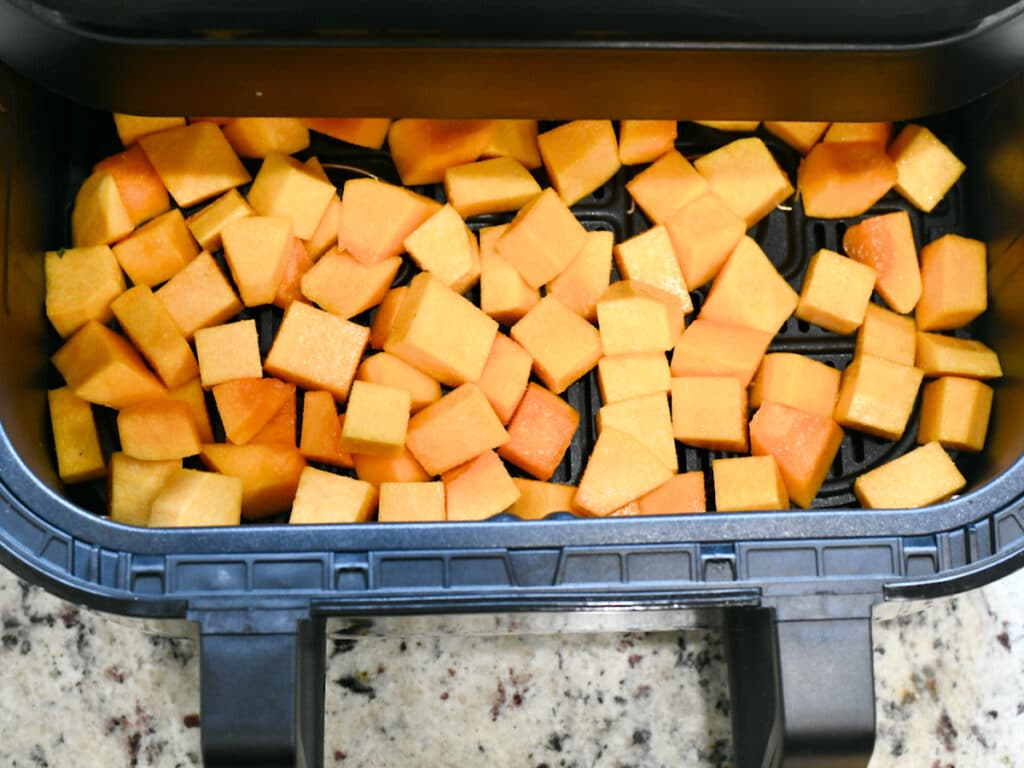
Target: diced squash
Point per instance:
(384, 318)
(227, 352)
(296, 264)
(505, 376)
(955, 413)
(516, 139)
(412, 502)
(924, 476)
(390, 371)
(644, 141)
(538, 499)
(323, 497)
(886, 244)
(562, 344)
(141, 190)
(376, 217)
(151, 328)
(877, 396)
(389, 469)
(623, 377)
(282, 427)
(260, 136)
(362, 131)
(542, 239)
(927, 168)
(246, 405)
(81, 283)
(75, 438)
(879, 133)
(646, 418)
(579, 157)
(836, 292)
(191, 392)
(191, 498)
(939, 355)
(132, 127)
(199, 296)
(681, 494)
(540, 432)
(635, 317)
(803, 444)
(489, 186)
(650, 258)
(346, 287)
(441, 333)
(458, 427)
(587, 277)
(504, 295)
(732, 126)
(326, 233)
(99, 216)
(158, 250)
(321, 430)
(704, 233)
(206, 224)
(269, 474)
(797, 381)
(444, 246)
(423, 149)
(747, 178)
(255, 249)
(886, 334)
(710, 412)
(316, 350)
(708, 348)
(133, 486)
(376, 419)
(478, 489)
(620, 469)
(666, 186)
(840, 179)
(953, 283)
(158, 430)
(285, 187)
(801, 136)
(195, 162)
(748, 483)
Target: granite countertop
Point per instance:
(81, 689)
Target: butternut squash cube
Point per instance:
(282, 427)
(151, 328)
(206, 223)
(100, 366)
(133, 486)
(587, 277)
(749, 291)
(424, 149)
(505, 376)
(924, 476)
(191, 393)
(246, 405)
(538, 499)
(81, 283)
(323, 497)
(321, 430)
(199, 296)
(191, 498)
(708, 348)
(644, 141)
(579, 157)
(623, 377)
(376, 419)
(326, 234)
(746, 176)
(296, 264)
(141, 190)
(710, 412)
(562, 344)
(346, 287)
(158, 430)
(646, 418)
(803, 444)
(75, 439)
(748, 484)
(927, 168)
(939, 355)
(878, 133)
(955, 413)
(516, 139)
(260, 136)
(443, 334)
(953, 283)
(666, 186)
(681, 494)
(384, 317)
(478, 489)
(412, 502)
(489, 186)
(195, 162)
(316, 350)
(886, 334)
(286, 188)
(801, 136)
(634, 319)
(376, 217)
(458, 427)
(255, 249)
(620, 469)
(389, 469)
(542, 239)
(269, 474)
(836, 292)
(797, 381)
(704, 233)
(158, 250)
(362, 131)
(504, 295)
(132, 127)
(877, 396)
(886, 244)
(841, 179)
(445, 246)
(99, 216)
(540, 433)
(387, 370)
(649, 258)
(226, 352)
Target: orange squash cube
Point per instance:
(955, 413)
(879, 133)
(81, 283)
(151, 328)
(412, 502)
(75, 438)
(316, 350)
(646, 418)
(579, 157)
(260, 136)
(321, 430)
(247, 405)
(707, 348)
(886, 334)
(326, 234)
(445, 246)
(158, 250)
(666, 186)
(540, 433)
(681, 494)
(704, 233)
(296, 264)
(747, 178)
(458, 427)
(516, 139)
(877, 396)
(801, 136)
(206, 224)
(227, 352)
(542, 239)
(749, 291)
(195, 162)
(562, 344)
(323, 497)
(939, 355)
(100, 366)
(199, 296)
(389, 469)
(489, 186)
(285, 187)
(384, 317)
(191, 393)
(927, 168)
(505, 376)
(803, 444)
(924, 476)
(649, 258)
(538, 499)
(255, 249)
(841, 179)
(953, 283)
(269, 474)
(886, 244)
(443, 334)
(99, 216)
(387, 370)
(424, 149)
(748, 483)
(346, 287)
(504, 295)
(710, 412)
(141, 190)
(635, 317)
(644, 141)
(623, 377)
(376, 419)
(796, 381)
(130, 128)
(133, 486)
(478, 489)
(191, 498)
(282, 427)
(621, 469)
(376, 217)
(587, 277)
(158, 430)
(362, 131)
(836, 292)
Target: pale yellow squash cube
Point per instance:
(666, 186)
(955, 412)
(444, 246)
(924, 476)
(226, 352)
(562, 344)
(623, 377)
(887, 334)
(346, 287)
(579, 157)
(75, 438)
(800, 135)
(255, 248)
(285, 187)
(745, 174)
(421, 502)
(587, 276)
(646, 418)
(132, 127)
(99, 216)
(644, 141)
(323, 497)
(376, 419)
(836, 292)
(954, 287)
(927, 168)
(633, 321)
(206, 223)
(157, 250)
(748, 484)
(797, 381)
(939, 355)
(620, 470)
(133, 486)
(191, 498)
(504, 295)
(710, 412)
(489, 186)
(81, 283)
(195, 162)
(650, 258)
(877, 396)
(542, 239)
(153, 332)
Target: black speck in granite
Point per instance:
(38, 756)
(403, 647)
(979, 736)
(1020, 708)
(992, 714)
(339, 755)
(113, 673)
(898, 747)
(555, 741)
(643, 691)
(641, 736)
(946, 732)
(444, 696)
(1004, 640)
(354, 684)
(342, 645)
(191, 720)
(716, 753)
(634, 659)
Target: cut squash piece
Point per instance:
(924, 476)
(579, 157)
(191, 498)
(285, 187)
(538, 499)
(376, 419)
(81, 284)
(886, 244)
(444, 246)
(195, 162)
(836, 292)
(748, 484)
(505, 376)
(587, 277)
(157, 250)
(666, 186)
(346, 287)
(489, 186)
(841, 179)
(246, 405)
(797, 381)
(424, 149)
(542, 239)
(646, 418)
(133, 486)
(457, 428)
(269, 474)
(199, 296)
(323, 497)
(710, 412)
(877, 396)
(562, 344)
(75, 437)
(955, 412)
(707, 348)
(478, 489)
(227, 352)
(141, 190)
(953, 283)
(376, 217)
(99, 216)
(644, 141)
(747, 178)
(927, 168)
(620, 469)
(412, 502)
(540, 433)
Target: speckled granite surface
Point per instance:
(81, 689)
